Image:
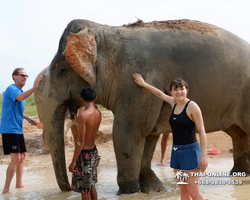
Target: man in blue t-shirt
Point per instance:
(11, 126)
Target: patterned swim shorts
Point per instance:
(85, 176)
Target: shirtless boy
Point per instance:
(85, 159)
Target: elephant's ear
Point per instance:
(81, 54)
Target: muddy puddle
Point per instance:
(44, 187)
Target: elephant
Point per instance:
(69, 124)
(214, 62)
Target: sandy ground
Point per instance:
(35, 155)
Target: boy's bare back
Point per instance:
(89, 121)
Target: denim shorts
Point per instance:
(186, 157)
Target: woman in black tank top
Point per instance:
(184, 131)
(186, 119)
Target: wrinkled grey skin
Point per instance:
(215, 65)
(69, 124)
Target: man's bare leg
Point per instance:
(15, 159)
(164, 143)
(93, 194)
(85, 196)
(19, 171)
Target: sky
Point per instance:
(30, 29)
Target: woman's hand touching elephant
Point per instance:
(138, 79)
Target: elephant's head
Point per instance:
(74, 67)
(61, 91)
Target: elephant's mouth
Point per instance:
(73, 107)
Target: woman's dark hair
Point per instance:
(88, 94)
(178, 83)
(15, 72)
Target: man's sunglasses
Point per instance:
(23, 75)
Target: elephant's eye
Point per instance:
(63, 71)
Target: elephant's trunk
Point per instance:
(53, 119)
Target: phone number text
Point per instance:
(219, 182)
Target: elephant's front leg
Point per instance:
(148, 180)
(129, 145)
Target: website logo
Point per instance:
(182, 177)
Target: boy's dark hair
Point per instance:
(178, 83)
(15, 72)
(88, 94)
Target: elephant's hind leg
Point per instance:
(241, 149)
(148, 180)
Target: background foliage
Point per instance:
(30, 106)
